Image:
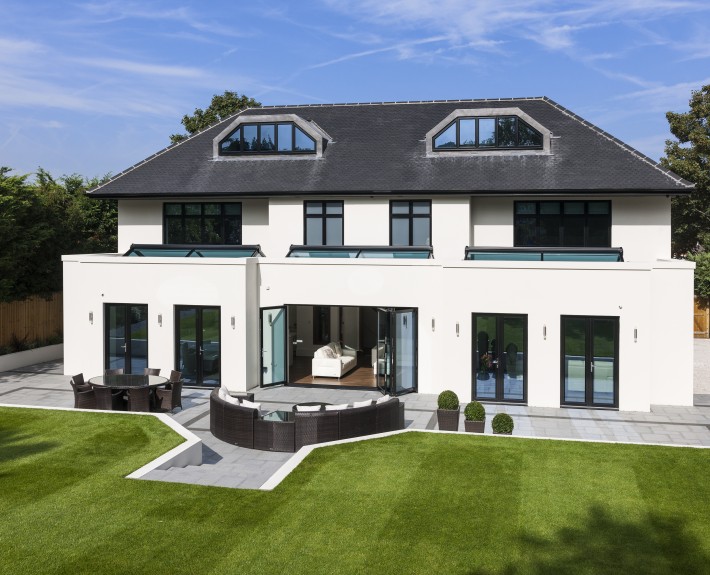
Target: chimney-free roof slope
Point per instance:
(380, 149)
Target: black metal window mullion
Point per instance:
(222, 218)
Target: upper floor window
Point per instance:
(485, 133)
(202, 223)
(323, 223)
(410, 223)
(566, 224)
(276, 138)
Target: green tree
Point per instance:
(221, 107)
(688, 156)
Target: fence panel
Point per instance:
(701, 318)
(32, 319)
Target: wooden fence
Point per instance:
(701, 318)
(33, 319)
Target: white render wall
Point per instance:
(652, 300)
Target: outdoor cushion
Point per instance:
(308, 408)
(222, 393)
(383, 399)
(336, 407)
(229, 399)
(247, 403)
(364, 403)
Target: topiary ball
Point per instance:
(475, 411)
(448, 400)
(502, 423)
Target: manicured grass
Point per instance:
(412, 503)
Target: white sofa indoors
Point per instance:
(333, 360)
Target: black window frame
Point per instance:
(410, 216)
(589, 218)
(497, 145)
(323, 216)
(275, 151)
(183, 217)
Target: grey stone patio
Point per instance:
(230, 466)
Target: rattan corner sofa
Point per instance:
(243, 426)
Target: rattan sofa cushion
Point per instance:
(364, 403)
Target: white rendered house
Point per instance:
(505, 249)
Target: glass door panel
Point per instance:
(485, 327)
(590, 361)
(499, 357)
(405, 356)
(575, 358)
(603, 361)
(273, 345)
(210, 346)
(198, 348)
(512, 358)
(383, 369)
(126, 337)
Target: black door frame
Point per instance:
(390, 387)
(499, 365)
(589, 358)
(199, 343)
(261, 346)
(127, 348)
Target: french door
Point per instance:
(396, 370)
(590, 361)
(274, 333)
(197, 344)
(126, 337)
(500, 357)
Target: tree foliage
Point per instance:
(688, 156)
(41, 221)
(221, 107)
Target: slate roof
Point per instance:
(379, 149)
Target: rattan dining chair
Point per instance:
(151, 371)
(139, 399)
(170, 397)
(84, 397)
(109, 399)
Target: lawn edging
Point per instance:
(187, 453)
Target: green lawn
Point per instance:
(412, 503)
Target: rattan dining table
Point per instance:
(128, 381)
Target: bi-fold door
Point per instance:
(396, 350)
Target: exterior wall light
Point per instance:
(457, 329)
(544, 332)
(636, 334)
(233, 321)
(91, 317)
(160, 319)
(433, 324)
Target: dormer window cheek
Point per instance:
(271, 138)
(471, 133)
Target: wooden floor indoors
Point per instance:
(361, 376)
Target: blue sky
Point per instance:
(94, 87)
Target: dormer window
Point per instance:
(271, 138)
(470, 133)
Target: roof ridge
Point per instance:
(624, 146)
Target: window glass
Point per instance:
(574, 208)
(334, 232)
(420, 232)
(598, 207)
(193, 231)
(486, 132)
(173, 209)
(233, 209)
(267, 135)
(197, 223)
(285, 133)
(233, 230)
(304, 143)
(400, 232)
(400, 207)
(467, 132)
(527, 137)
(210, 231)
(421, 207)
(506, 132)
(524, 207)
(549, 207)
(568, 224)
(212, 209)
(314, 232)
(334, 208)
(447, 139)
(526, 231)
(549, 230)
(193, 209)
(250, 138)
(232, 143)
(314, 207)
(173, 231)
(573, 233)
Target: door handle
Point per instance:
(591, 367)
(123, 347)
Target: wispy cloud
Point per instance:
(665, 97)
(141, 68)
